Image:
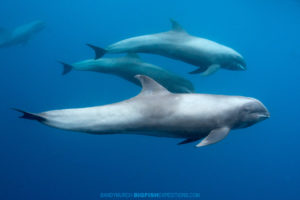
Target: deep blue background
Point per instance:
(38, 162)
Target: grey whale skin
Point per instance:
(21, 34)
(128, 67)
(207, 55)
(158, 112)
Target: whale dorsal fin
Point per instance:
(133, 55)
(99, 52)
(176, 26)
(150, 86)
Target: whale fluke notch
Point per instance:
(31, 116)
(150, 86)
(67, 68)
(99, 52)
(176, 26)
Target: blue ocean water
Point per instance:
(38, 162)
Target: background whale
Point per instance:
(158, 112)
(207, 55)
(128, 67)
(21, 34)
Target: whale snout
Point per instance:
(242, 67)
(252, 112)
(241, 63)
(261, 111)
(235, 62)
(237, 66)
(264, 115)
(39, 25)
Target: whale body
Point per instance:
(128, 67)
(158, 112)
(207, 55)
(21, 34)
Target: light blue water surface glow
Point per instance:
(38, 162)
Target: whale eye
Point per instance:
(248, 108)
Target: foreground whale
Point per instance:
(207, 55)
(158, 112)
(21, 34)
(131, 65)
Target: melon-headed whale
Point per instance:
(21, 34)
(207, 55)
(128, 67)
(157, 112)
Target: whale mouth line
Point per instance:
(264, 116)
(242, 67)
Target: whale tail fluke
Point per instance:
(67, 68)
(31, 116)
(99, 52)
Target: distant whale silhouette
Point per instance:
(21, 34)
(128, 67)
(158, 112)
(207, 55)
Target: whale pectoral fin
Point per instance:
(197, 71)
(185, 90)
(188, 140)
(214, 136)
(99, 52)
(211, 69)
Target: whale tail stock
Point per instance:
(99, 52)
(67, 68)
(31, 116)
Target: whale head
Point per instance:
(38, 25)
(251, 112)
(234, 61)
